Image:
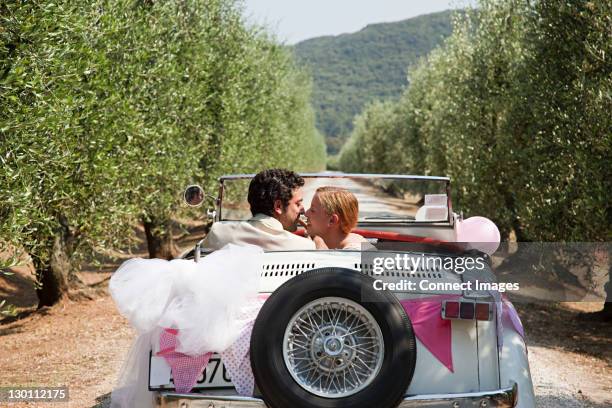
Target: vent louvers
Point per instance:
(276, 270)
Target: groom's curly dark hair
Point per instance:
(270, 185)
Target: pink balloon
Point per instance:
(480, 232)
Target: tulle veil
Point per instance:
(202, 300)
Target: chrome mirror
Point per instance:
(194, 195)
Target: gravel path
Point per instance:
(565, 379)
(77, 344)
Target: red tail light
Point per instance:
(450, 310)
(483, 311)
(466, 310)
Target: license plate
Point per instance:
(214, 375)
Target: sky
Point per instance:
(296, 20)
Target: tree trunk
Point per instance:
(607, 310)
(605, 314)
(54, 276)
(159, 239)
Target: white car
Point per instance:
(326, 337)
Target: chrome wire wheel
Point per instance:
(333, 347)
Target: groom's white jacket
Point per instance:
(261, 230)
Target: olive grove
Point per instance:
(515, 108)
(109, 108)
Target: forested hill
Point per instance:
(350, 70)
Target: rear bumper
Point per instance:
(503, 398)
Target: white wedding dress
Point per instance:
(202, 300)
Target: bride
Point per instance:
(332, 216)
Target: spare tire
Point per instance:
(316, 343)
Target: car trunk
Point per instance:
(474, 343)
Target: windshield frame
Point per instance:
(445, 180)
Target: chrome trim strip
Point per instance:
(219, 201)
(503, 398)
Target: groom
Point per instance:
(275, 197)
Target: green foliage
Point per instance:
(60, 165)
(566, 191)
(368, 152)
(351, 70)
(7, 309)
(108, 109)
(515, 108)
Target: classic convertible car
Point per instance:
(335, 331)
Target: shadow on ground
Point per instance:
(561, 328)
(103, 401)
(18, 289)
(5, 329)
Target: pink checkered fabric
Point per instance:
(238, 363)
(237, 357)
(185, 369)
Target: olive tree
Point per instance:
(515, 107)
(567, 90)
(569, 87)
(61, 143)
(224, 97)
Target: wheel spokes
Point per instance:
(333, 347)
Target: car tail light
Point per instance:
(466, 310)
(451, 310)
(483, 311)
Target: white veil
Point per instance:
(202, 300)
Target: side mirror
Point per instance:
(194, 196)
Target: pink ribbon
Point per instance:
(510, 312)
(434, 332)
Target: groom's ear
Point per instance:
(278, 207)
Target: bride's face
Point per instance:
(319, 221)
